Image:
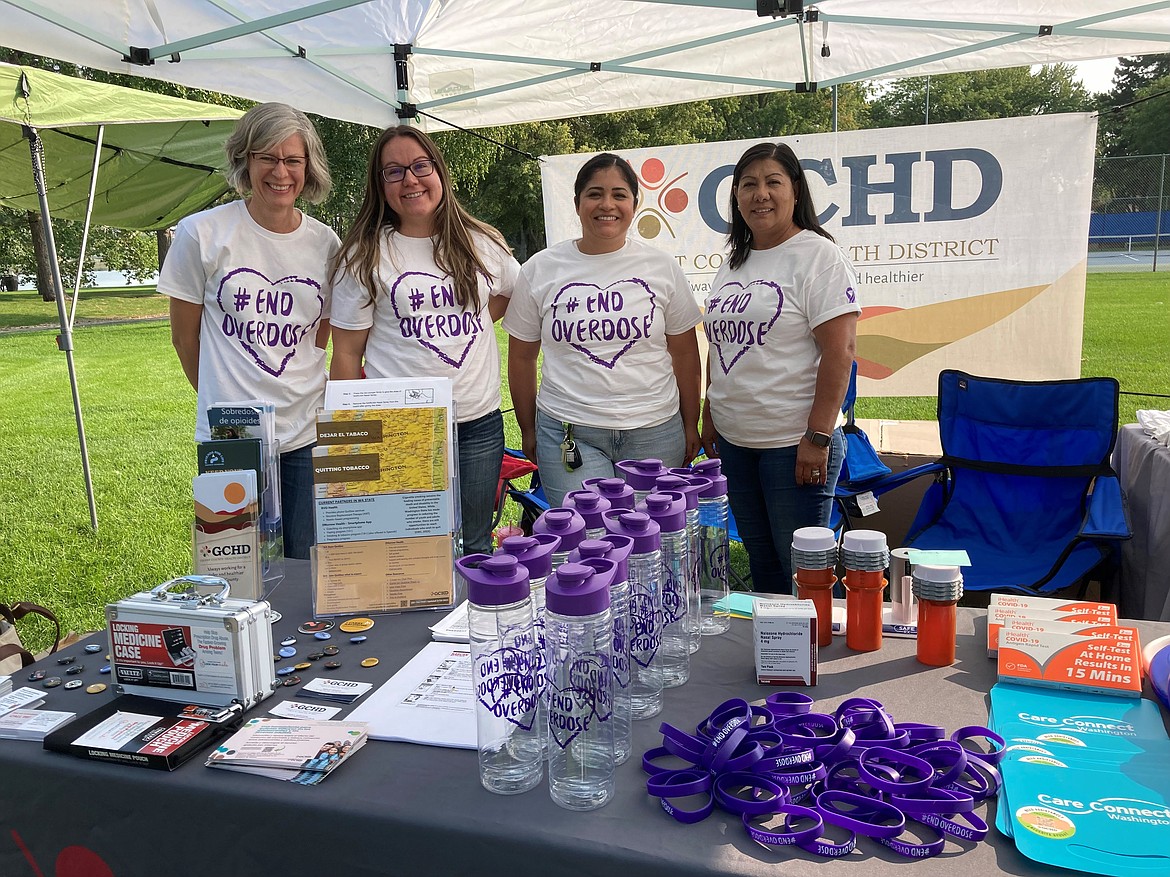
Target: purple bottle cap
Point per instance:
(619, 494)
(493, 580)
(684, 471)
(589, 505)
(589, 548)
(712, 467)
(646, 535)
(640, 474)
(576, 589)
(565, 523)
(534, 551)
(668, 508)
(690, 486)
(716, 483)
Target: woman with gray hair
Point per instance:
(249, 306)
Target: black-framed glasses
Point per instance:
(396, 173)
(269, 162)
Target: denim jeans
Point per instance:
(769, 506)
(600, 449)
(296, 502)
(481, 449)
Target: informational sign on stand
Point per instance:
(386, 496)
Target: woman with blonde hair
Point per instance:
(417, 286)
(249, 311)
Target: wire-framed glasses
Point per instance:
(396, 173)
(269, 162)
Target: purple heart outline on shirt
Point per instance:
(257, 317)
(414, 289)
(744, 299)
(586, 308)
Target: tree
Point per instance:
(984, 94)
(1148, 122)
(1120, 117)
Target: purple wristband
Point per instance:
(791, 813)
(652, 755)
(890, 820)
(915, 851)
(756, 805)
(801, 730)
(900, 740)
(921, 733)
(822, 847)
(724, 744)
(679, 784)
(800, 776)
(933, 802)
(839, 777)
(859, 709)
(947, 758)
(689, 817)
(835, 748)
(903, 762)
(972, 732)
(758, 719)
(984, 780)
(974, 830)
(682, 744)
(782, 757)
(788, 703)
(726, 711)
(745, 757)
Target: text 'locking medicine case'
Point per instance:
(174, 643)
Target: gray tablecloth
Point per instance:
(1143, 465)
(404, 809)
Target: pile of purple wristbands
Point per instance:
(857, 769)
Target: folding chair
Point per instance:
(862, 465)
(1024, 484)
(514, 467)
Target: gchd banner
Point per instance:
(969, 238)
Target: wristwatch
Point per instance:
(820, 439)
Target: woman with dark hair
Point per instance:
(249, 315)
(616, 321)
(417, 285)
(782, 325)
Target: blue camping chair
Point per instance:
(862, 466)
(1024, 484)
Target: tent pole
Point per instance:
(93, 175)
(65, 339)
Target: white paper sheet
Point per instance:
(429, 701)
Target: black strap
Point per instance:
(14, 613)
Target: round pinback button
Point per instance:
(330, 650)
(332, 665)
(274, 616)
(93, 648)
(315, 656)
(36, 675)
(96, 688)
(356, 625)
(285, 671)
(105, 669)
(303, 665)
(316, 626)
(75, 670)
(322, 635)
(52, 682)
(73, 683)
(291, 681)
(289, 641)
(357, 640)
(68, 660)
(370, 662)
(287, 652)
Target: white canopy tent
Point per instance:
(474, 63)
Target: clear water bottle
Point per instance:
(590, 506)
(581, 765)
(668, 510)
(565, 524)
(616, 549)
(645, 572)
(714, 548)
(619, 494)
(640, 475)
(499, 617)
(534, 553)
(689, 486)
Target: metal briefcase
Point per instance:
(191, 647)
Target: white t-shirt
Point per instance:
(602, 323)
(763, 355)
(263, 300)
(417, 329)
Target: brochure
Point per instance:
(290, 750)
(32, 724)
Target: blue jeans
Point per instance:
(769, 506)
(600, 449)
(481, 449)
(296, 502)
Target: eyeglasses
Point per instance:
(269, 162)
(396, 173)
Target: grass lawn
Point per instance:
(139, 414)
(27, 308)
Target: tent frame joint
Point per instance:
(1045, 30)
(139, 55)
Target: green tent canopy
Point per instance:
(161, 157)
